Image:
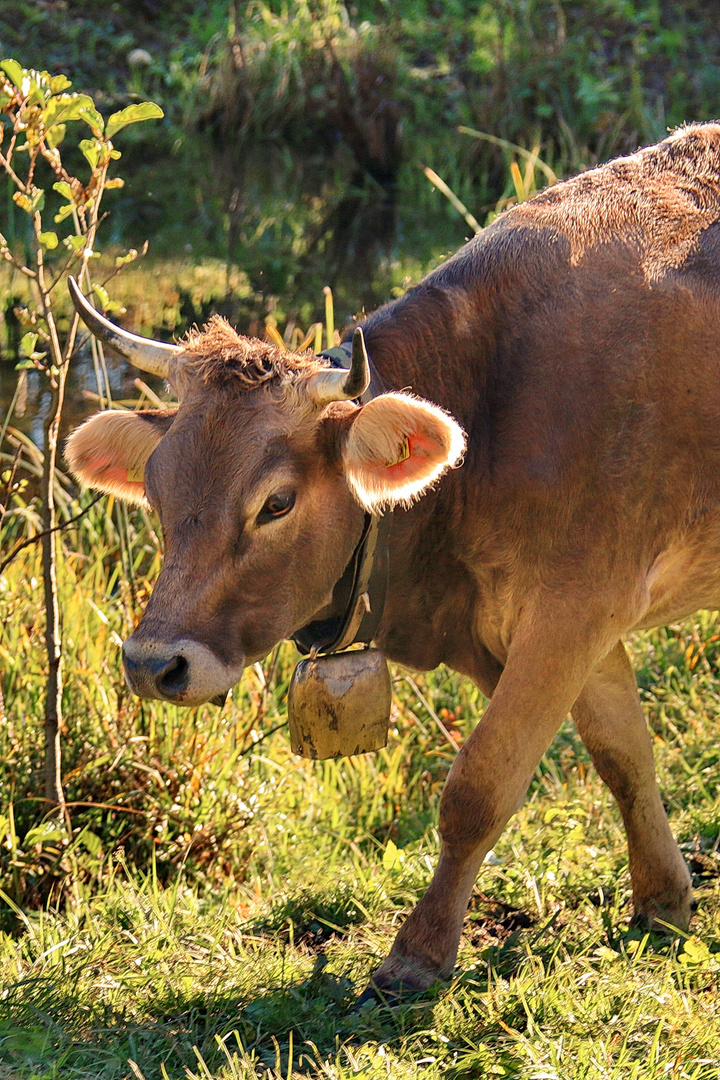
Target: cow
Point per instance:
(548, 440)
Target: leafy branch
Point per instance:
(36, 109)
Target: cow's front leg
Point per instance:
(610, 721)
(546, 667)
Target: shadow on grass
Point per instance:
(276, 1021)
(48, 1033)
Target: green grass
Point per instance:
(212, 905)
(217, 908)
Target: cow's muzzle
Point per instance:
(181, 671)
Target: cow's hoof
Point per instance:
(388, 997)
(668, 913)
(399, 980)
(372, 996)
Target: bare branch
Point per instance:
(28, 540)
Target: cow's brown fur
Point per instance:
(577, 341)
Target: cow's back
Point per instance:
(579, 345)
(659, 200)
(598, 325)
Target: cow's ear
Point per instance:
(396, 447)
(109, 451)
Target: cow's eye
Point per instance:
(276, 506)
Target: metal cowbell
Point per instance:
(339, 705)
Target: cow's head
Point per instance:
(261, 478)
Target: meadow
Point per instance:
(211, 905)
(208, 905)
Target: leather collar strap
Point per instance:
(358, 597)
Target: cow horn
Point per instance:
(156, 357)
(339, 385)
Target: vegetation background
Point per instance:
(210, 905)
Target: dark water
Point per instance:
(81, 392)
(293, 222)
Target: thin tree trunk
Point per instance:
(53, 644)
(53, 640)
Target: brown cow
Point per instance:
(577, 342)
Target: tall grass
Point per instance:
(306, 71)
(219, 902)
(212, 903)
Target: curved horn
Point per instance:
(339, 385)
(153, 356)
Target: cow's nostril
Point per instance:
(175, 678)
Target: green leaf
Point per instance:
(25, 365)
(91, 149)
(28, 343)
(36, 94)
(146, 110)
(64, 212)
(75, 243)
(14, 72)
(93, 118)
(55, 136)
(49, 240)
(91, 841)
(64, 188)
(102, 295)
(695, 952)
(59, 83)
(66, 107)
(123, 260)
(44, 833)
(106, 304)
(390, 855)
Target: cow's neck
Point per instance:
(425, 342)
(434, 341)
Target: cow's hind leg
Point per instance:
(611, 723)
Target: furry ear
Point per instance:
(109, 451)
(397, 447)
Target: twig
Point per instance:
(9, 257)
(61, 273)
(5, 163)
(411, 682)
(265, 735)
(46, 532)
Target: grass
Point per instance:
(212, 905)
(215, 904)
(390, 82)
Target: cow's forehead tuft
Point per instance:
(218, 355)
